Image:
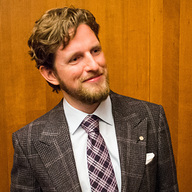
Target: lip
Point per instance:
(93, 79)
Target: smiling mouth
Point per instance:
(93, 78)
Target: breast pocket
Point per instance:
(149, 178)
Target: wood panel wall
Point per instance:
(148, 45)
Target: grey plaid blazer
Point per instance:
(44, 161)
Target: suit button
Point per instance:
(141, 138)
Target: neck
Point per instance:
(86, 108)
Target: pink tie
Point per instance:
(101, 174)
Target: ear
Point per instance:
(49, 75)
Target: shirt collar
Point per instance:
(75, 117)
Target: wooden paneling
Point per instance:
(5, 54)
(148, 47)
(164, 60)
(185, 97)
(127, 47)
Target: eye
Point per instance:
(96, 51)
(74, 60)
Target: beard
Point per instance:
(88, 95)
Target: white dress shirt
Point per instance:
(79, 140)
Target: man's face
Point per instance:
(81, 69)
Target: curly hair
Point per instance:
(52, 30)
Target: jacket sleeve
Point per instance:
(166, 174)
(22, 179)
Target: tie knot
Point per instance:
(90, 123)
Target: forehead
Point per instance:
(83, 38)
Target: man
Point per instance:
(55, 152)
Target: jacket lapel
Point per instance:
(131, 134)
(55, 150)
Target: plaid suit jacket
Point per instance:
(44, 161)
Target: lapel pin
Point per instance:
(141, 138)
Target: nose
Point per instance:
(90, 63)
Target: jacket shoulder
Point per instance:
(127, 105)
(38, 124)
(122, 99)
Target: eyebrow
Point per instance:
(80, 52)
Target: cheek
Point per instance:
(69, 71)
(101, 60)
(74, 72)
